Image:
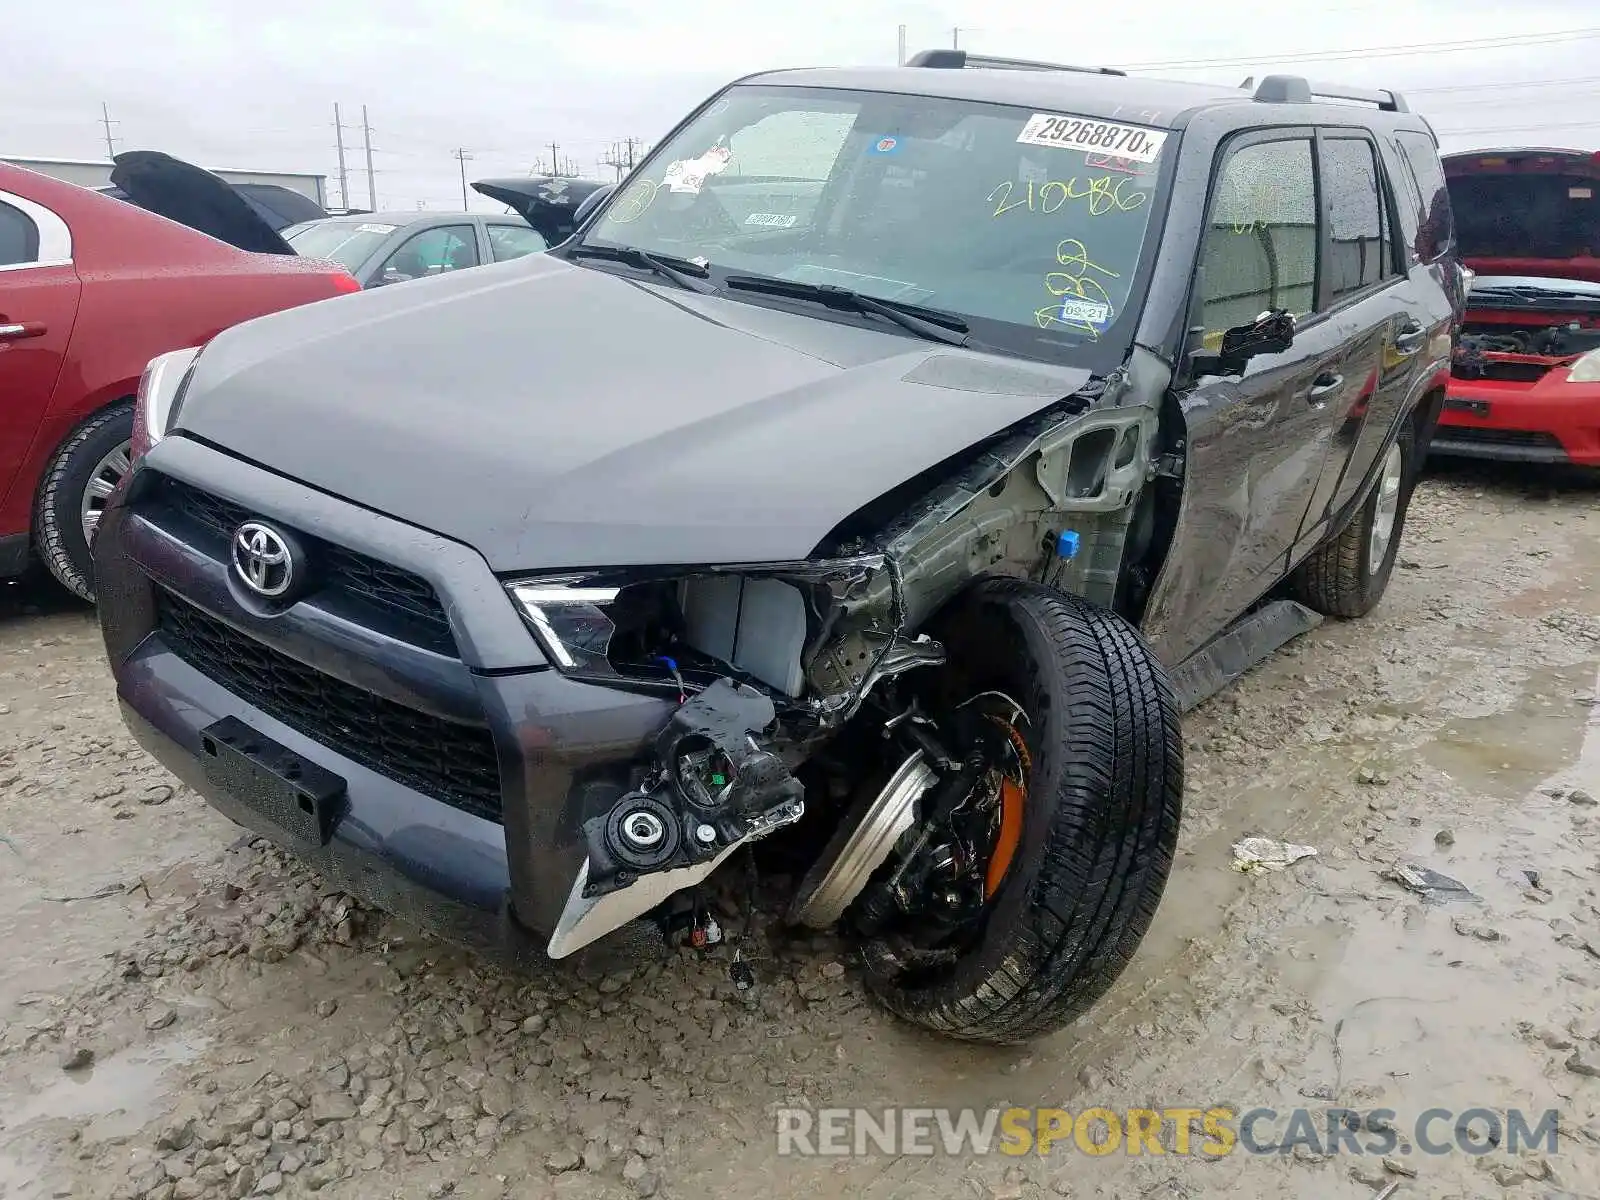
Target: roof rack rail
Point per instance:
(955, 60)
(1294, 89)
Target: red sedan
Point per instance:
(1525, 376)
(91, 289)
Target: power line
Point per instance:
(1508, 41)
(1521, 128)
(1503, 83)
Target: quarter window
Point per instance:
(19, 237)
(1359, 250)
(1260, 248)
(1437, 234)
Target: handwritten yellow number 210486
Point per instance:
(1077, 280)
(1104, 195)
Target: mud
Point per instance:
(238, 1029)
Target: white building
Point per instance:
(91, 174)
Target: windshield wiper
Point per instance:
(680, 271)
(1534, 292)
(931, 323)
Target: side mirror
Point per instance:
(1270, 333)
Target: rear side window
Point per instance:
(1260, 248)
(1437, 233)
(1359, 253)
(19, 237)
(514, 241)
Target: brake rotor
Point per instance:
(861, 846)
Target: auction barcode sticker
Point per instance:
(1133, 142)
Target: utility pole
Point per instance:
(372, 179)
(630, 154)
(955, 38)
(344, 178)
(461, 156)
(107, 122)
(902, 59)
(555, 164)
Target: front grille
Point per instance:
(367, 581)
(451, 762)
(1498, 437)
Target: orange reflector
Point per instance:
(1009, 837)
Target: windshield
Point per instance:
(348, 243)
(1025, 224)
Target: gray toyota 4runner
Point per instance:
(867, 485)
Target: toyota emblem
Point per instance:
(264, 559)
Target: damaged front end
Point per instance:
(769, 662)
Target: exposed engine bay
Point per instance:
(773, 666)
(1490, 349)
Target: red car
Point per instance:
(91, 289)
(1525, 376)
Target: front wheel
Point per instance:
(1347, 575)
(1077, 854)
(80, 479)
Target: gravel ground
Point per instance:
(186, 1014)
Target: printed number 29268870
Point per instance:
(1106, 137)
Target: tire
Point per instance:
(1100, 822)
(1345, 577)
(58, 512)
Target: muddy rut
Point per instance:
(187, 1014)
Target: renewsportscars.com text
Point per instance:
(1209, 1132)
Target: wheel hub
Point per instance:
(103, 480)
(1387, 507)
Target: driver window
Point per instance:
(431, 252)
(1260, 247)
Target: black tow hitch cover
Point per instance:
(304, 800)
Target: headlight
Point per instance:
(1586, 369)
(159, 388)
(666, 626)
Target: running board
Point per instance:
(1245, 644)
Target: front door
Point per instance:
(1255, 442)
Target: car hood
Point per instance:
(1527, 212)
(182, 192)
(555, 416)
(547, 203)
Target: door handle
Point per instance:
(16, 331)
(1410, 339)
(1323, 385)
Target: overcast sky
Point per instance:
(226, 83)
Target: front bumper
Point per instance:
(493, 875)
(1550, 421)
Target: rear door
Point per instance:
(1369, 298)
(38, 304)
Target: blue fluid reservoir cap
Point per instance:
(1067, 544)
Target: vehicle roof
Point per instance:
(403, 219)
(1160, 102)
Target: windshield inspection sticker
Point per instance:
(772, 220)
(1580, 193)
(1084, 312)
(690, 174)
(884, 145)
(1131, 142)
